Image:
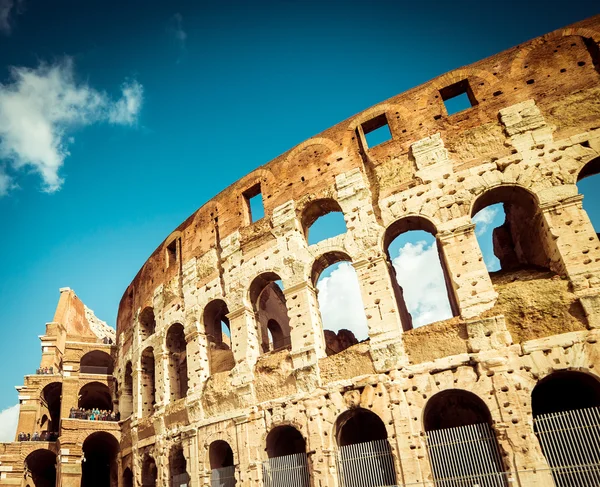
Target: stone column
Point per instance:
(467, 278)
(196, 360)
(308, 342)
(244, 342)
(68, 468)
(161, 376)
(190, 452)
(249, 431)
(381, 309)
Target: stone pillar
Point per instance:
(161, 377)
(68, 468)
(467, 278)
(308, 342)
(323, 460)
(197, 368)
(70, 396)
(381, 309)
(190, 452)
(245, 347)
(249, 431)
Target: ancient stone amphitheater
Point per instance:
(222, 373)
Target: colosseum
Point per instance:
(221, 374)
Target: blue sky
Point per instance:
(189, 97)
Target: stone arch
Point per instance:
(453, 408)
(147, 382)
(95, 395)
(96, 362)
(317, 209)
(284, 440)
(215, 319)
(40, 468)
(522, 239)
(222, 464)
(51, 398)
(149, 471)
(127, 477)
(403, 226)
(178, 474)
(176, 346)
(147, 322)
(565, 390)
(126, 399)
(269, 303)
(99, 468)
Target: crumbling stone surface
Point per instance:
(531, 133)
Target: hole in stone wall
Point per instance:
(254, 203)
(458, 97)
(530, 81)
(418, 274)
(377, 131)
(173, 252)
(322, 219)
(147, 323)
(340, 302)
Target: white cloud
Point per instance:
(175, 28)
(40, 106)
(8, 423)
(419, 273)
(340, 302)
(484, 219)
(7, 8)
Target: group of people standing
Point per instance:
(94, 414)
(45, 436)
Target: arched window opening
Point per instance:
(587, 183)
(95, 395)
(218, 334)
(127, 478)
(287, 465)
(418, 273)
(323, 219)
(458, 425)
(149, 472)
(269, 306)
(177, 467)
(221, 464)
(40, 468)
(148, 386)
(340, 302)
(566, 412)
(126, 402)
(99, 465)
(510, 229)
(178, 373)
(362, 441)
(96, 362)
(147, 323)
(50, 402)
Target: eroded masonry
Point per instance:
(222, 373)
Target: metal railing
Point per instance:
(368, 464)
(222, 477)
(286, 471)
(570, 441)
(91, 369)
(180, 480)
(465, 456)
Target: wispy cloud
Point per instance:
(9, 419)
(39, 109)
(340, 302)
(8, 9)
(175, 28)
(419, 273)
(484, 219)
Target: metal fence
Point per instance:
(180, 480)
(465, 456)
(286, 471)
(222, 477)
(92, 369)
(570, 442)
(368, 464)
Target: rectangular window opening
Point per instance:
(377, 131)
(254, 203)
(458, 97)
(172, 253)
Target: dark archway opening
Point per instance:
(286, 449)
(587, 184)
(95, 395)
(178, 372)
(40, 468)
(340, 302)
(520, 241)
(458, 425)
(149, 472)
(565, 391)
(323, 219)
(127, 478)
(285, 440)
(362, 441)
(418, 273)
(269, 304)
(126, 402)
(177, 467)
(148, 386)
(99, 465)
(218, 334)
(147, 323)
(221, 464)
(51, 399)
(96, 362)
